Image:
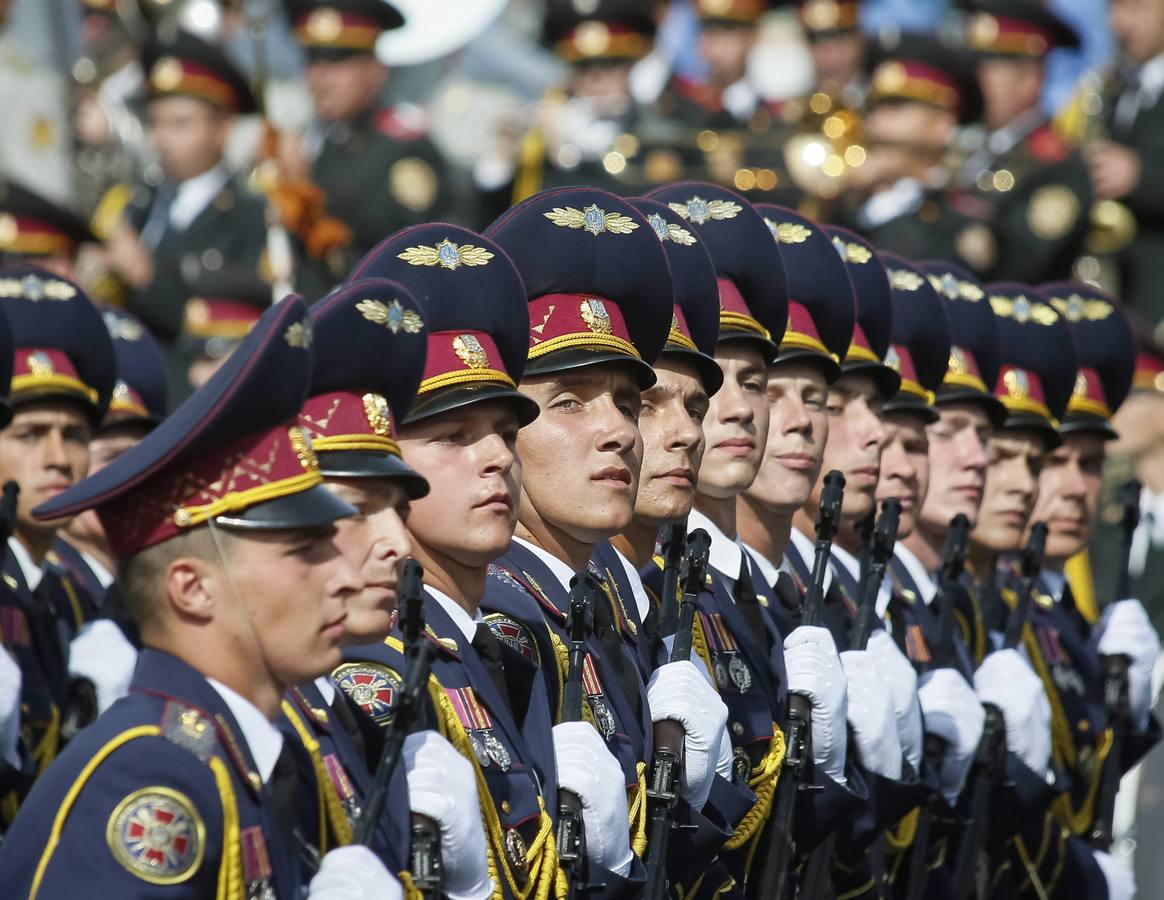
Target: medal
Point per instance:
(497, 751)
(479, 750)
(741, 674)
(603, 717)
(721, 675)
(515, 850)
(741, 765)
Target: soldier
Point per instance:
(461, 434)
(219, 521)
(1066, 651)
(63, 378)
(1024, 181)
(585, 130)
(1124, 167)
(221, 309)
(36, 231)
(754, 307)
(364, 380)
(920, 92)
(105, 652)
(376, 168)
(1135, 453)
(833, 30)
(199, 218)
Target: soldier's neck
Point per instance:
(721, 511)
(926, 545)
(980, 562)
(242, 672)
(637, 543)
(99, 550)
(804, 520)
(762, 528)
(1150, 470)
(555, 541)
(463, 583)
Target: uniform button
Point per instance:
(737, 728)
(505, 807)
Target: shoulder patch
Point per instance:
(188, 728)
(516, 635)
(371, 686)
(157, 834)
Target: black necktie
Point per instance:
(347, 721)
(749, 606)
(489, 651)
(283, 792)
(613, 650)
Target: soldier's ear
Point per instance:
(194, 587)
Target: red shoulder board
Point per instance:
(402, 123)
(698, 92)
(1047, 146)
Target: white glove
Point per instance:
(953, 712)
(353, 873)
(442, 786)
(1125, 629)
(870, 714)
(11, 680)
(814, 671)
(101, 653)
(901, 677)
(725, 757)
(1006, 680)
(677, 691)
(1121, 881)
(588, 769)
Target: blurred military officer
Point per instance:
(376, 168)
(1023, 180)
(920, 92)
(200, 217)
(37, 231)
(63, 378)
(221, 308)
(104, 652)
(218, 519)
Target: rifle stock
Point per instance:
(883, 539)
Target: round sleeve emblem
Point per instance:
(157, 834)
(372, 687)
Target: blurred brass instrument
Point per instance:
(828, 144)
(1113, 225)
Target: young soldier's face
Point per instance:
(736, 427)
(470, 459)
(957, 464)
(798, 429)
(294, 586)
(856, 437)
(376, 543)
(581, 456)
(671, 424)
(189, 135)
(1016, 458)
(905, 466)
(106, 446)
(45, 450)
(1069, 488)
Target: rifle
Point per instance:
(407, 714)
(667, 760)
(9, 499)
(971, 864)
(1115, 684)
(944, 656)
(571, 834)
(777, 861)
(884, 537)
(674, 539)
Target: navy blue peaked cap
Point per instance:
(139, 394)
(596, 280)
(695, 324)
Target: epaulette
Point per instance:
(401, 123)
(195, 730)
(1046, 146)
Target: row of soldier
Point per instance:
(869, 682)
(929, 150)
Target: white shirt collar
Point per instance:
(194, 195)
(561, 570)
(259, 733)
(726, 555)
(1055, 582)
(924, 581)
(852, 565)
(642, 602)
(768, 571)
(740, 99)
(326, 687)
(1152, 79)
(31, 571)
(466, 624)
(807, 550)
(103, 575)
